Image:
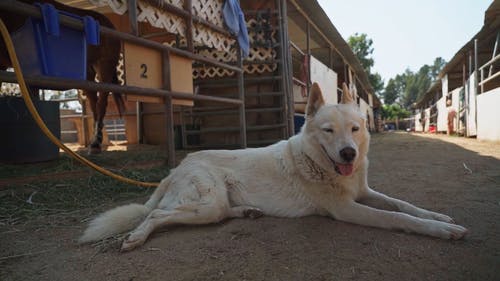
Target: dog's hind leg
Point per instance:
(189, 214)
(378, 200)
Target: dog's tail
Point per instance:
(115, 221)
(123, 218)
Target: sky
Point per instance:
(408, 33)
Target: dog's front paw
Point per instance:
(447, 230)
(440, 217)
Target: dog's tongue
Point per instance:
(345, 169)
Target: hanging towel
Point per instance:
(235, 21)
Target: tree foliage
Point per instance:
(361, 45)
(404, 89)
(393, 111)
(408, 87)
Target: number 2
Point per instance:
(144, 69)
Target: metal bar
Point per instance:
(213, 108)
(266, 127)
(495, 48)
(245, 62)
(29, 10)
(262, 142)
(132, 16)
(288, 67)
(281, 67)
(490, 62)
(296, 48)
(138, 110)
(213, 130)
(226, 82)
(58, 83)
(189, 25)
(481, 80)
(299, 82)
(232, 112)
(476, 83)
(169, 111)
(489, 78)
(264, 94)
(235, 129)
(241, 95)
(183, 128)
(213, 146)
(308, 51)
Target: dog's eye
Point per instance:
(355, 129)
(328, 130)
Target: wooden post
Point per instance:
(169, 111)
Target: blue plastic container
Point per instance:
(298, 121)
(44, 47)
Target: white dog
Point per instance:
(320, 171)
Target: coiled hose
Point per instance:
(29, 104)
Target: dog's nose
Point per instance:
(348, 154)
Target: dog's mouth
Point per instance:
(341, 169)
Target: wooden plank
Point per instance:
(143, 68)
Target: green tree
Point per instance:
(361, 45)
(408, 87)
(393, 90)
(393, 111)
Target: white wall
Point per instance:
(418, 124)
(470, 95)
(327, 80)
(427, 119)
(455, 96)
(366, 109)
(488, 115)
(442, 117)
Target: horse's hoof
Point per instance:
(94, 150)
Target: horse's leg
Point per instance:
(106, 70)
(95, 142)
(102, 103)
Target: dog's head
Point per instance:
(337, 137)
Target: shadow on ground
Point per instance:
(426, 171)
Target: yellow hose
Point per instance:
(41, 124)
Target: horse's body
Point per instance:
(101, 60)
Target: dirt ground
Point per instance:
(456, 176)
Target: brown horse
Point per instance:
(101, 61)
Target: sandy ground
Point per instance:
(456, 176)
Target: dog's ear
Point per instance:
(315, 100)
(346, 95)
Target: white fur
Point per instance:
(292, 178)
